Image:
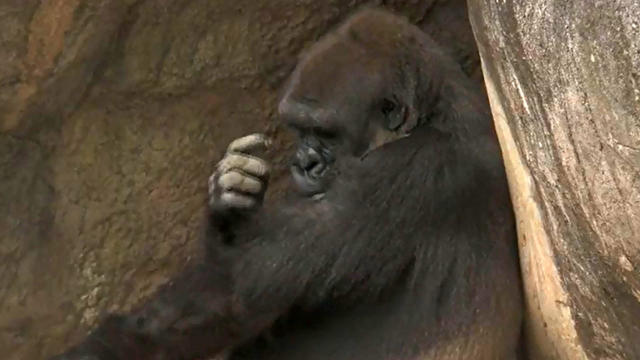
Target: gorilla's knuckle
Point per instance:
(258, 167)
(224, 164)
(249, 143)
(251, 165)
(251, 185)
(233, 161)
(235, 180)
(236, 200)
(230, 179)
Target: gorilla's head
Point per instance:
(353, 91)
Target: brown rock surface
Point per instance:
(112, 113)
(563, 78)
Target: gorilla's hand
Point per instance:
(240, 179)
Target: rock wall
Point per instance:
(563, 78)
(112, 114)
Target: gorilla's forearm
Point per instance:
(239, 291)
(192, 316)
(284, 258)
(189, 317)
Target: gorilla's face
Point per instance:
(341, 105)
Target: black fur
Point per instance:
(410, 254)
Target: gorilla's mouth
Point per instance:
(309, 170)
(309, 182)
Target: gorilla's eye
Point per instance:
(394, 114)
(387, 107)
(327, 134)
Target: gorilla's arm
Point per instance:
(175, 321)
(215, 306)
(292, 258)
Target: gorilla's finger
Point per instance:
(249, 164)
(237, 181)
(249, 144)
(239, 201)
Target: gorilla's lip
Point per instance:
(308, 184)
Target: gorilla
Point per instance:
(398, 243)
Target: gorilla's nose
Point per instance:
(310, 160)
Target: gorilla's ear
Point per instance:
(394, 114)
(398, 116)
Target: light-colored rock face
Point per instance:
(112, 115)
(564, 82)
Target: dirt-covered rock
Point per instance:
(112, 115)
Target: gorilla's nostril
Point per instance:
(313, 155)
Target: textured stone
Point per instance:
(112, 114)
